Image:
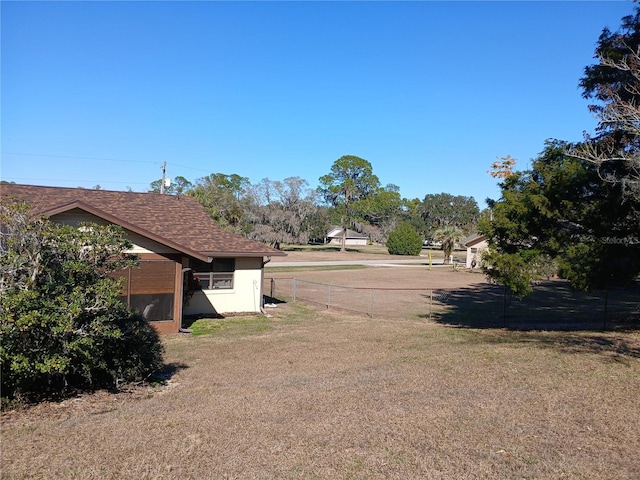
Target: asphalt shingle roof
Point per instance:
(176, 221)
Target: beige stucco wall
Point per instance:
(348, 241)
(141, 244)
(480, 248)
(245, 296)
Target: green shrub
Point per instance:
(62, 325)
(404, 240)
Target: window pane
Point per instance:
(222, 280)
(215, 275)
(210, 280)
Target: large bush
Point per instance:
(404, 240)
(62, 324)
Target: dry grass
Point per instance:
(329, 252)
(407, 291)
(330, 396)
(320, 394)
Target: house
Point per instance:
(475, 245)
(334, 236)
(188, 264)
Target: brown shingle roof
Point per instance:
(177, 221)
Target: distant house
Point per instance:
(475, 245)
(334, 236)
(184, 254)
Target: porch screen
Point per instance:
(151, 289)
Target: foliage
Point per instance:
(579, 204)
(444, 210)
(510, 269)
(412, 213)
(561, 208)
(288, 211)
(63, 326)
(383, 205)
(179, 186)
(448, 235)
(350, 183)
(615, 84)
(503, 168)
(318, 224)
(282, 212)
(380, 213)
(222, 196)
(404, 240)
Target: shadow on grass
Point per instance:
(272, 300)
(167, 371)
(615, 345)
(333, 247)
(189, 320)
(554, 316)
(314, 248)
(553, 305)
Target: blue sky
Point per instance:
(431, 93)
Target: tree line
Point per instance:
(350, 195)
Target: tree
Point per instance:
(282, 211)
(350, 181)
(615, 83)
(404, 240)
(381, 207)
(503, 168)
(448, 235)
(62, 323)
(179, 186)
(318, 223)
(561, 209)
(380, 212)
(222, 196)
(412, 213)
(443, 210)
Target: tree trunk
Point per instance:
(343, 247)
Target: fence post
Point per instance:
(430, 302)
(373, 294)
(293, 289)
(273, 286)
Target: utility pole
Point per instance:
(164, 177)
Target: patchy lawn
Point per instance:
(311, 394)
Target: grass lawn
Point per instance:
(313, 394)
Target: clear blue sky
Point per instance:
(430, 93)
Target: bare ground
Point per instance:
(323, 394)
(368, 252)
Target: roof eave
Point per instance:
(228, 254)
(476, 240)
(124, 224)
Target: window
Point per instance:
(215, 275)
(474, 250)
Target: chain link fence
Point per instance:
(551, 306)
